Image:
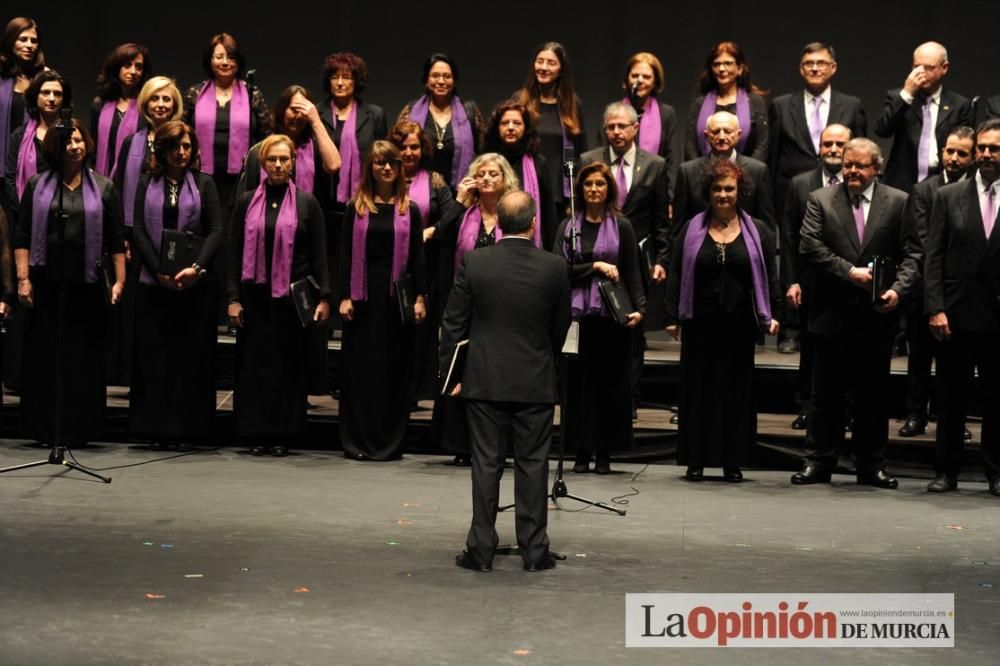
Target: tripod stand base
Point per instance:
(559, 490)
(57, 457)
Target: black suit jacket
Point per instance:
(794, 268)
(962, 268)
(791, 147)
(666, 149)
(512, 302)
(646, 206)
(993, 107)
(830, 245)
(756, 200)
(904, 122)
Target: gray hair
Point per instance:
(616, 108)
(861, 143)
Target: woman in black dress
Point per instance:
(382, 242)
(643, 83)
(172, 400)
(454, 127)
(429, 191)
(21, 58)
(277, 238)
(511, 132)
(722, 291)
(59, 279)
(549, 95)
(598, 401)
(115, 113)
(725, 85)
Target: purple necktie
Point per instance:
(832, 182)
(989, 212)
(816, 123)
(621, 182)
(924, 148)
(859, 218)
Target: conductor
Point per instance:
(511, 301)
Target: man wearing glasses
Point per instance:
(919, 117)
(846, 230)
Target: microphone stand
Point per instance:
(58, 454)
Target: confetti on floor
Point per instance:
(150, 595)
(194, 575)
(302, 589)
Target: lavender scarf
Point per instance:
(465, 146)
(93, 229)
(359, 250)
(587, 300)
(305, 168)
(650, 128)
(350, 155)
(693, 240)
(134, 160)
(127, 127)
(420, 194)
(27, 158)
(742, 115)
(529, 178)
(239, 126)
(6, 100)
(468, 233)
(254, 267)
(188, 214)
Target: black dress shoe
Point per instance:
(184, 447)
(462, 460)
(603, 464)
(914, 426)
(258, 450)
(581, 468)
(279, 451)
(468, 561)
(695, 474)
(995, 486)
(356, 456)
(732, 475)
(547, 562)
(810, 474)
(801, 421)
(879, 479)
(157, 446)
(942, 483)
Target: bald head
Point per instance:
(722, 129)
(516, 214)
(831, 146)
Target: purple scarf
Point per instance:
(127, 127)
(465, 146)
(567, 185)
(742, 115)
(6, 100)
(27, 158)
(93, 229)
(350, 155)
(468, 233)
(587, 300)
(359, 250)
(254, 268)
(693, 240)
(188, 213)
(305, 167)
(239, 126)
(529, 176)
(650, 129)
(134, 160)
(420, 194)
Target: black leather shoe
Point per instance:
(914, 426)
(879, 479)
(279, 451)
(258, 450)
(462, 460)
(468, 561)
(184, 447)
(603, 464)
(732, 475)
(547, 562)
(810, 474)
(695, 474)
(942, 483)
(995, 486)
(157, 446)
(801, 421)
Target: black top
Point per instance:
(379, 245)
(443, 156)
(17, 113)
(756, 145)
(550, 146)
(260, 123)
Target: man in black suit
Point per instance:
(918, 117)
(642, 179)
(957, 156)
(962, 284)
(511, 301)
(845, 229)
(797, 119)
(723, 131)
(794, 269)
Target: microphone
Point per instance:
(569, 167)
(633, 98)
(250, 77)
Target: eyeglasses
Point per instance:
(728, 64)
(860, 166)
(816, 64)
(611, 127)
(992, 148)
(277, 159)
(381, 164)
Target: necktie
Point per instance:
(621, 182)
(816, 122)
(924, 148)
(859, 218)
(832, 182)
(989, 211)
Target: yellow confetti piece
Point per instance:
(150, 595)
(302, 589)
(521, 652)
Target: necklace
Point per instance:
(173, 193)
(439, 131)
(720, 249)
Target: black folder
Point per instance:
(616, 299)
(456, 367)
(406, 297)
(178, 250)
(106, 275)
(305, 296)
(883, 276)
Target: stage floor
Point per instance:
(218, 557)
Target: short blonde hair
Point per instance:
(510, 180)
(154, 85)
(270, 142)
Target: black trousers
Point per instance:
(803, 387)
(957, 357)
(527, 427)
(856, 362)
(919, 358)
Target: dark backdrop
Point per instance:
(494, 43)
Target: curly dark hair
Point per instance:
(494, 142)
(718, 167)
(403, 129)
(109, 86)
(351, 62)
